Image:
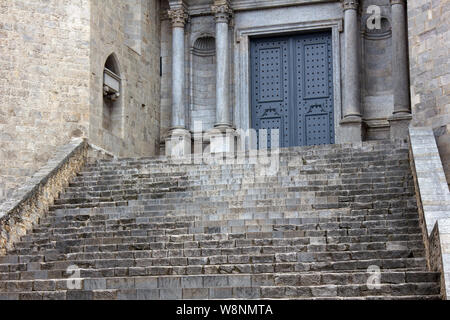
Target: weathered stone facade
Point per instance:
(113, 24)
(44, 83)
(429, 47)
(52, 89)
(52, 56)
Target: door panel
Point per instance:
(271, 96)
(292, 88)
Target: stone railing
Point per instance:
(433, 198)
(30, 202)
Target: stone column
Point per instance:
(179, 140)
(352, 122)
(222, 11)
(222, 137)
(400, 72)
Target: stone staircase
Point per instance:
(332, 221)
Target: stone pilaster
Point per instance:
(400, 71)
(178, 143)
(352, 120)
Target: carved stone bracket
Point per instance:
(350, 4)
(178, 17)
(222, 11)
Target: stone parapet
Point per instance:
(433, 198)
(29, 203)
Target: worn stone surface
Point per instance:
(29, 203)
(52, 56)
(433, 198)
(429, 42)
(320, 227)
(44, 58)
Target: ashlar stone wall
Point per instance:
(52, 57)
(429, 51)
(44, 83)
(131, 31)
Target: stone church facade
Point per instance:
(320, 72)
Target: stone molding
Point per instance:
(179, 17)
(222, 11)
(351, 4)
(29, 203)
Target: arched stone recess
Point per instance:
(203, 82)
(112, 113)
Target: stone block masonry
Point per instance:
(131, 31)
(44, 81)
(429, 49)
(52, 57)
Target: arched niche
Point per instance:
(112, 97)
(203, 82)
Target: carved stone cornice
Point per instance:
(402, 2)
(350, 4)
(178, 17)
(222, 11)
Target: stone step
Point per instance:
(174, 235)
(279, 197)
(103, 220)
(213, 257)
(145, 250)
(194, 242)
(73, 193)
(188, 294)
(269, 224)
(123, 267)
(285, 170)
(258, 286)
(98, 214)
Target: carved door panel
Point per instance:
(292, 88)
(314, 89)
(271, 92)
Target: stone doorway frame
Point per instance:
(242, 110)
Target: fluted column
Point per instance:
(222, 11)
(178, 18)
(351, 124)
(352, 86)
(400, 70)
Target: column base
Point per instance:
(223, 139)
(178, 144)
(351, 130)
(399, 126)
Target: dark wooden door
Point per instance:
(292, 88)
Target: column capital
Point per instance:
(178, 17)
(222, 10)
(350, 4)
(402, 2)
